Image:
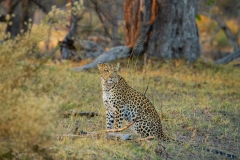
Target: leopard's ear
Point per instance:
(118, 66)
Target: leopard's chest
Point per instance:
(106, 97)
(109, 101)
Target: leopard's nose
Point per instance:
(111, 75)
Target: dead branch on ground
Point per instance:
(87, 114)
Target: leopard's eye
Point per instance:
(106, 71)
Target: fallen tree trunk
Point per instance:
(114, 54)
(228, 58)
(87, 114)
(90, 50)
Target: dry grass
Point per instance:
(199, 103)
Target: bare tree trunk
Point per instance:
(169, 25)
(114, 25)
(13, 7)
(22, 12)
(67, 49)
(25, 14)
(132, 12)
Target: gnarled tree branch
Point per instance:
(233, 40)
(228, 58)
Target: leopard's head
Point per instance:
(109, 72)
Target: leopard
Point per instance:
(122, 102)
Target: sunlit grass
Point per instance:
(200, 102)
(197, 103)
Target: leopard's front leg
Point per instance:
(119, 115)
(109, 119)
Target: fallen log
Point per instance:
(113, 54)
(73, 113)
(90, 49)
(90, 46)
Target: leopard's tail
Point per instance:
(181, 143)
(170, 139)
